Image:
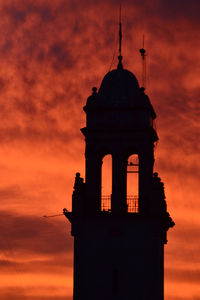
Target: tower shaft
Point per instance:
(119, 252)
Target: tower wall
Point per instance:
(120, 258)
(118, 254)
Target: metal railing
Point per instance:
(106, 203)
(132, 204)
(131, 201)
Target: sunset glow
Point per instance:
(51, 54)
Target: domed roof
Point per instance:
(119, 86)
(119, 90)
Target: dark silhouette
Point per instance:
(119, 254)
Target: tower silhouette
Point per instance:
(119, 248)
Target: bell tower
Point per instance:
(119, 250)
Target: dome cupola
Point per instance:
(119, 104)
(119, 86)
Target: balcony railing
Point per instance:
(132, 204)
(131, 201)
(106, 203)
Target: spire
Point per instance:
(120, 41)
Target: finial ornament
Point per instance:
(143, 55)
(94, 90)
(120, 66)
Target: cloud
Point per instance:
(33, 235)
(16, 293)
(43, 265)
(51, 54)
(192, 276)
(10, 192)
(182, 298)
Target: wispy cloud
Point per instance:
(51, 54)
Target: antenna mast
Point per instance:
(120, 40)
(143, 55)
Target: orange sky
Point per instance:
(51, 54)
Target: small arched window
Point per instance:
(133, 183)
(106, 183)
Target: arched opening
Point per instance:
(132, 183)
(106, 183)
